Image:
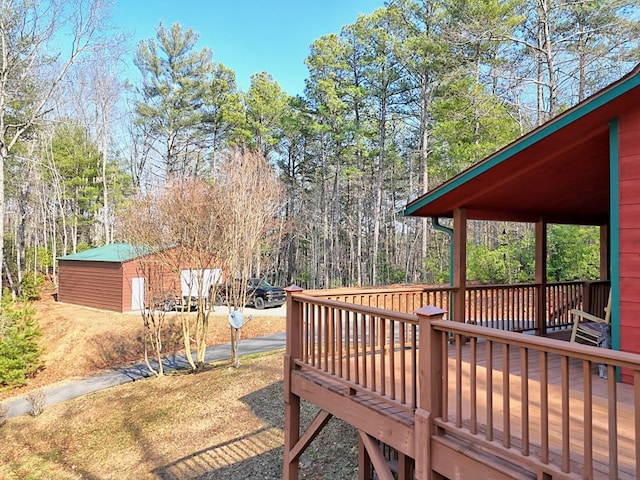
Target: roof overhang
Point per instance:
(558, 172)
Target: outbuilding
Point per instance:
(118, 277)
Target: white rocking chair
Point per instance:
(588, 328)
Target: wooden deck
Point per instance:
(457, 400)
(394, 425)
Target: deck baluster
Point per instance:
(524, 394)
(473, 384)
(588, 419)
(506, 397)
(612, 410)
(566, 451)
(544, 408)
(458, 414)
(489, 390)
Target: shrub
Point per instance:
(19, 344)
(573, 253)
(37, 400)
(4, 413)
(31, 286)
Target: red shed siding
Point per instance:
(629, 221)
(151, 272)
(128, 272)
(94, 284)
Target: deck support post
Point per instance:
(291, 430)
(459, 264)
(541, 277)
(430, 369)
(365, 467)
(405, 467)
(292, 401)
(370, 455)
(423, 443)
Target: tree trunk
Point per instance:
(105, 185)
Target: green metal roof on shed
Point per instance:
(116, 252)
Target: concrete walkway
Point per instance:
(60, 393)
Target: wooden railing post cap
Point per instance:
(430, 311)
(293, 289)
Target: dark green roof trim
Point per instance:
(116, 252)
(625, 84)
(614, 231)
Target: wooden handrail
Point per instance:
(601, 442)
(347, 307)
(505, 307)
(547, 345)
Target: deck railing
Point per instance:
(534, 401)
(365, 348)
(537, 402)
(505, 307)
(404, 299)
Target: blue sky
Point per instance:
(248, 36)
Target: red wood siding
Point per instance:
(629, 221)
(107, 285)
(156, 277)
(94, 284)
(129, 271)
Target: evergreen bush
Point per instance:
(31, 286)
(19, 344)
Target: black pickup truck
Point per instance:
(260, 294)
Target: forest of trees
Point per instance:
(396, 103)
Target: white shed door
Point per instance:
(137, 293)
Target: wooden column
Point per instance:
(365, 467)
(541, 277)
(459, 263)
(292, 401)
(605, 273)
(405, 467)
(430, 365)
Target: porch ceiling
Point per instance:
(559, 172)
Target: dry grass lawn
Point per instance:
(221, 423)
(80, 341)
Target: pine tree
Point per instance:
(19, 344)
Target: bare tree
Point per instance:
(195, 228)
(179, 226)
(30, 71)
(249, 195)
(153, 318)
